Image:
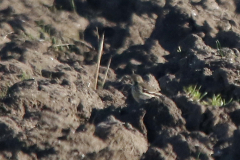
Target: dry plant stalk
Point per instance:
(62, 45)
(100, 49)
(108, 66)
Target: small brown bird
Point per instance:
(141, 91)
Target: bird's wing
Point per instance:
(155, 93)
(151, 91)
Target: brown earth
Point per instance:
(49, 109)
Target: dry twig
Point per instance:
(108, 66)
(100, 49)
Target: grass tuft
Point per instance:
(218, 101)
(194, 92)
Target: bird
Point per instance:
(141, 91)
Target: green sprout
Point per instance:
(194, 92)
(73, 5)
(219, 48)
(25, 76)
(46, 28)
(218, 101)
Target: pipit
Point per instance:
(141, 91)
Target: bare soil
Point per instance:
(49, 109)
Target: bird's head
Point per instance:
(137, 79)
